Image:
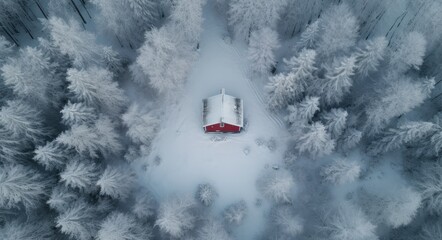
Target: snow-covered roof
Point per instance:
(223, 108)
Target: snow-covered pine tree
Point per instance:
(304, 111)
(341, 171)
(22, 186)
(401, 95)
(176, 217)
(145, 205)
(206, 194)
(303, 65)
(31, 76)
(246, 16)
(430, 187)
(213, 230)
(127, 19)
(350, 139)
(40, 229)
(51, 156)
(81, 175)
(81, 220)
(370, 55)
(122, 226)
(112, 60)
(78, 44)
(163, 60)
(277, 186)
(335, 121)
(337, 80)
(315, 141)
(110, 140)
(77, 114)
(141, 125)
(309, 37)
(62, 197)
(186, 20)
(432, 231)
(396, 208)
(23, 121)
(339, 30)
(409, 54)
(236, 212)
(284, 89)
(92, 140)
(263, 43)
(95, 87)
(116, 182)
(348, 223)
(394, 138)
(286, 221)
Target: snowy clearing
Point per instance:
(231, 162)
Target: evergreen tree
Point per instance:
(51, 156)
(31, 76)
(176, 217)
(304, 111)
(309, 37)
(339, 31)
(116, 182)
(145, 205)
(206, 194)
(236, 212)
(350, 139)
(348, 223)
(81, 175)
(81, 220)
(401, 95)
(246, 16)
(341, 171)
(141, 126)
(396, 208)
(22, 186)
(262, 45)
(186, 19)
(77, 114)
(284, 89)
(163, 60)
(95, 87)
(287, 222)
(370, 55)
(127, 19)
(79, 45)
(430, 187)
(61, 198)
(409, 53)
(30, 230)
(406, 133)
(337, 80)
(121, 226)
(277, 186)
(315, 141)
(335, 121)
(23, 121)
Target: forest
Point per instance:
(101, 133)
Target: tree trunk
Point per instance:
(10, 36)
(78, 11)
(41, 9)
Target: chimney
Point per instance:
(223, 91)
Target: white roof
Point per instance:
(223, 108)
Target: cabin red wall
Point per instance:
(227, 128)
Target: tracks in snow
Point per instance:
(275, 118)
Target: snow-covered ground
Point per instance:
(189, 156)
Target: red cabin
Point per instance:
(223, 113)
